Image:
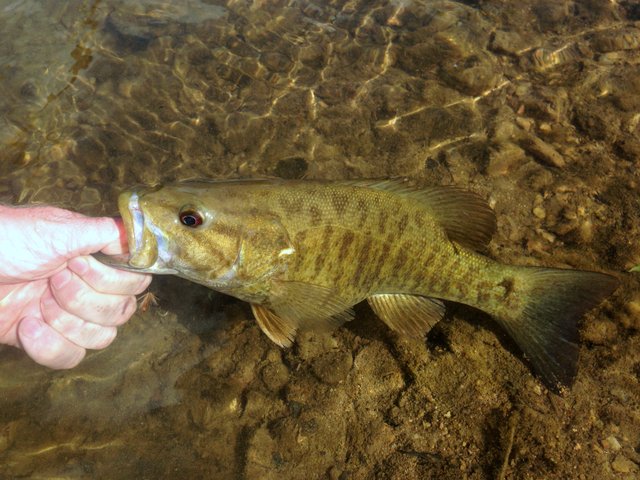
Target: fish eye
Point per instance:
(190, 218)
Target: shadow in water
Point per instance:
(198, 308)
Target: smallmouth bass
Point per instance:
(302, 253)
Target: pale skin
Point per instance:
(56, 301)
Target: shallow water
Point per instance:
(534, 105)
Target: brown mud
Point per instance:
(534, 105)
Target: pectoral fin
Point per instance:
(409, 315)
(294, 306)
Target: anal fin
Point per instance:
(409, 315)
(278, 330)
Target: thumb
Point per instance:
(119, 242)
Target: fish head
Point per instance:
(202, 232)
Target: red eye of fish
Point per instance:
(190, 218)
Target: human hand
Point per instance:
(55, 299)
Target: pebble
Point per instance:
(312, 344)
(90, 196)
(380, 372)
(507, 42)
(276, 62)
(621, 464)
(611, 443)
(260, 453)
(633, 307)
(539, 212)
(505, 159)
(600, 332)
(545, 127)
(631, 316)
(535, 245)
(542, 151)
(548, 236)
(204, 414)
(525, 123)
(586, 231)
(332, 367)
(257, 404)
(275, 375)
(614, 40)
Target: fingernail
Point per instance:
(79, 265)
(60, 279)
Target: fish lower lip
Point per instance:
(117, 261)
(121, 262)
(137, 223)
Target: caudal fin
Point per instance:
(546, 329)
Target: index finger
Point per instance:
(105, 279)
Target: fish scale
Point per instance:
(304, 252)
(371, 268)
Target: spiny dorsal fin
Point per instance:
(466, 217)
(409, 315)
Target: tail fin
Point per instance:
(546, 329)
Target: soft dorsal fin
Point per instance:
(465, 216)
(409, 315)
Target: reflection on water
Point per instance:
(517, 99)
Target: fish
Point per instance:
(302, 253)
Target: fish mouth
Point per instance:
(144, 240)
(133, 219)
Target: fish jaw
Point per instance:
(143, 247)
(148, 251)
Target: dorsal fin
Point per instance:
(466, 217)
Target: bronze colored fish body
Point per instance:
(304, 252)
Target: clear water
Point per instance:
(504, 97)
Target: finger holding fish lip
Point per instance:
(120, 242)
(108, 280)
(77, 297)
